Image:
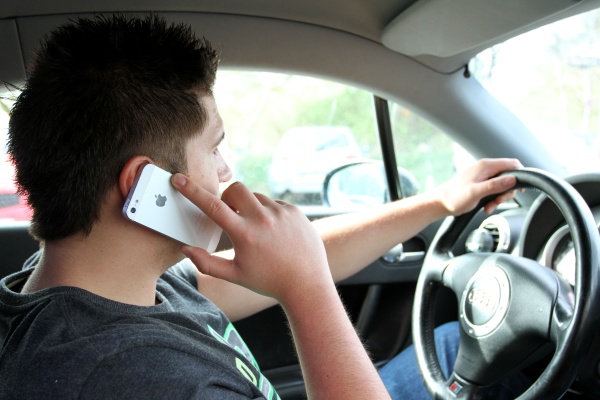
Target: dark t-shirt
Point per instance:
(67, 343)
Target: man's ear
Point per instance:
(130, 172)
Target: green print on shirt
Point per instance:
(232, 338)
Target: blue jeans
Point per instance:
(402, 378)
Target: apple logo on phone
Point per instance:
(160, 200)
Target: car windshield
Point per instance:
(550, 79)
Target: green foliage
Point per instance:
(258, 108)
(252, 171)
(421, 148)
(4, 107)
(350, 107)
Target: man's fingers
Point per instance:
(208, 264)
(505, 197)
(494, 166)
(210, 204)
(491, 206)
(266, 200)
(244, 201)
(240, 198)
(496, 185)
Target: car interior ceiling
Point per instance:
(334, 59)
(390, 44)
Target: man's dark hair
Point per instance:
(101, 91)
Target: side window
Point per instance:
(425, 155)
(12, 207)
(285, 133)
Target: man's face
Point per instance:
(205, 163)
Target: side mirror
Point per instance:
(361, 185)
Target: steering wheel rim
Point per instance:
(570, 327)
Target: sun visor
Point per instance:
(444, 28)
(12, 67)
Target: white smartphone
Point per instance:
(156, 204)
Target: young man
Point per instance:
(102, 314)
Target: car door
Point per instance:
(284, 133)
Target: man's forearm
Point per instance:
(353, 241)
(334, 362)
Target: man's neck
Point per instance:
(121, 262)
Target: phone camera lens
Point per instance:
(133, 210)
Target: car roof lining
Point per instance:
(397, 24)
(365, 18)
(299, 48)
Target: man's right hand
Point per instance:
(277, 251)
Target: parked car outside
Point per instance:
(305, 155)
(12, 206)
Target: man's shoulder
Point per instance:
(150, 368)
(56, 353)
(167, 371)
(65, 340)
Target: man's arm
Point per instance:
(353, 241)
(263, 233)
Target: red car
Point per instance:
(12, 206)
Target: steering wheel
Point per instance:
(512, 310)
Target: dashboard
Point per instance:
(537, 231)
(559, 254)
